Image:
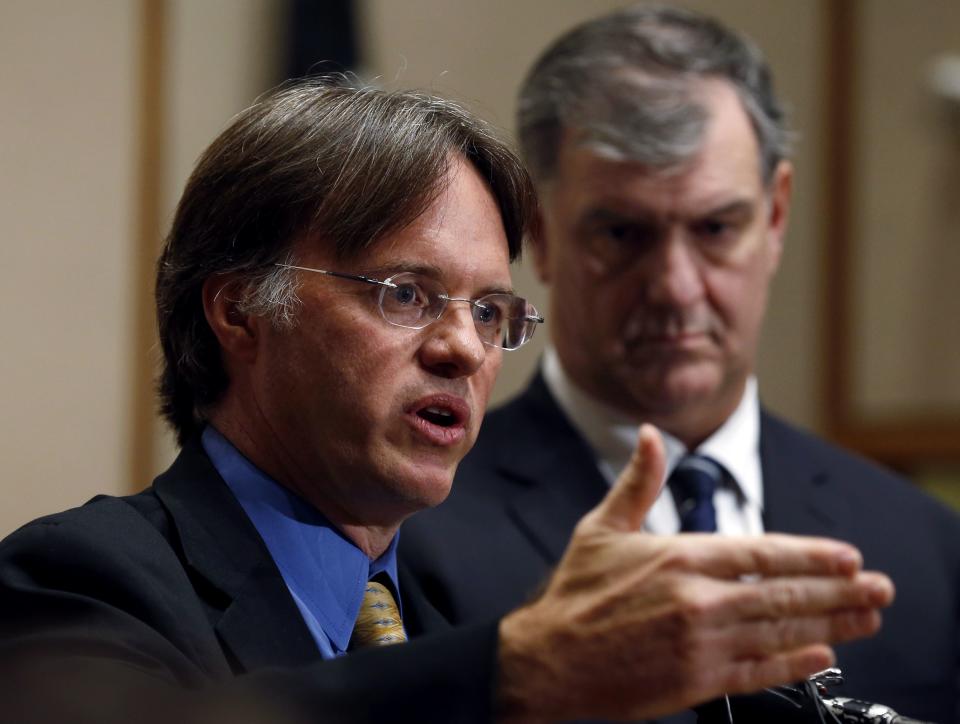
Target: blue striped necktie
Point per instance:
(693, 483)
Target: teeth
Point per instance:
(438, 416)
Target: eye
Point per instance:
(487, 313)
(629, 234)
(616, 241)
(714, 228)
(724, 228)
(408, 294)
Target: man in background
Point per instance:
(661, 156)
(333, 302)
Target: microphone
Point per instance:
(851, 711)
(806, 702)
(855, 711)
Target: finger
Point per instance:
(628, 501)
(757, 639)
(805, 596)
(770, 555)
(751, 675)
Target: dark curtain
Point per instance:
(321, 37)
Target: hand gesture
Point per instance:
(633, 625)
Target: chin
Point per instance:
(676, 389)
(427, 485)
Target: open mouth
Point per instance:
(438, 416)
(441, 419)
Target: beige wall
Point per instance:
(68, 232)
(67, 127)
(906, 214)
(68, 149)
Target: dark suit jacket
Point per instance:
(175, 583)
(530, 477)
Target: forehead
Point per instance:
(461, 233)
(726, 166)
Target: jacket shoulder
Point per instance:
(871, 490)
(95, 534)
(105, 576)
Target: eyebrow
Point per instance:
(427, 270)
(641, 215)
(738, 206)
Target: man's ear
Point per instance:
(235, 330)
(781, 193)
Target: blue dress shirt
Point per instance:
(325, 572)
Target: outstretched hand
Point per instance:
(633, 625)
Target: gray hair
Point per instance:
(626, 85)
(321, 158)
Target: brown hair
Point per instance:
(344, 163)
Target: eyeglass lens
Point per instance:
(415, 301)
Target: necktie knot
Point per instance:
(378, 621)
(693, 483)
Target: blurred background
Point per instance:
(106, 104)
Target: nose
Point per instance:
(674, 274)
(452, 347)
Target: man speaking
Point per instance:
(334, 300)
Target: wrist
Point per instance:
(526, 689)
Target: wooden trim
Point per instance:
(839, 84)
(907, 444)
(147, 221)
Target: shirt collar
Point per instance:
(612, 434)
(735, 445)
(323, 568)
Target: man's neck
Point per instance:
(372, 539)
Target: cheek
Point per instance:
(377, 368)
(482, 381)
(739, 298)
(350, 360)
(487, 375)
(613, 301)
(588, 294)
(356, 335)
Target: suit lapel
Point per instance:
(797, 495)
(556, 480)
(419, 614)
(260, 625)
(263, 627)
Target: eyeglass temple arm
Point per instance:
(354, 277)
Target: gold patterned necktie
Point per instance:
(378, 622)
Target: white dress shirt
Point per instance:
(613, 435)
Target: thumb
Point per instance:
(633, 493)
